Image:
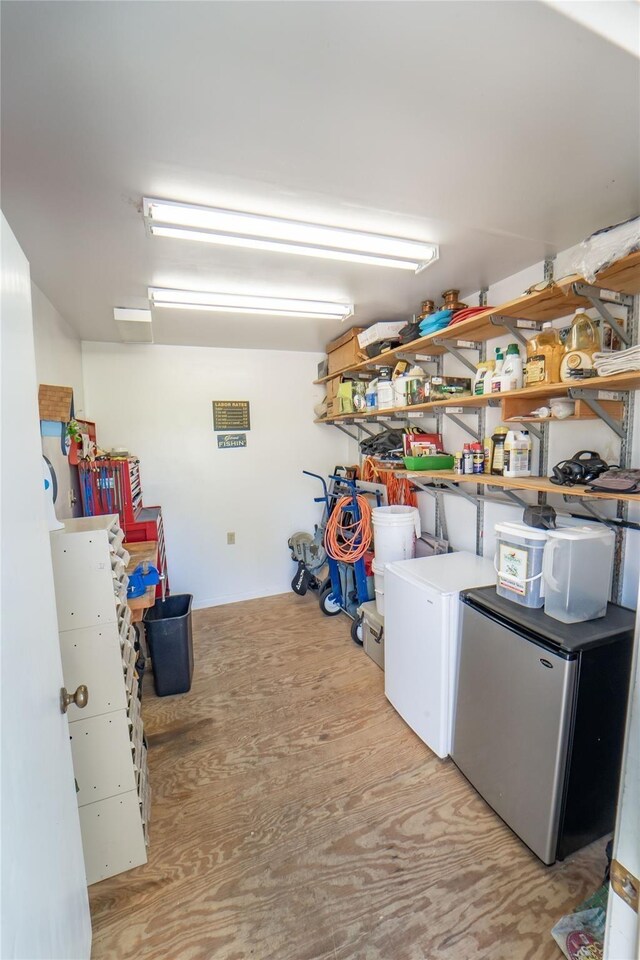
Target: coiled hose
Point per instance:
(345, 541)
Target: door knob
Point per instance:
(80, 698)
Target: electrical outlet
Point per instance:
(231, 538)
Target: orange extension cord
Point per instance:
(398, 490)
(341, 539)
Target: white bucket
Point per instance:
(378, 579)
(395, 530)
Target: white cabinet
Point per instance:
(107, 741)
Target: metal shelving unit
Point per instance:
(617, 285)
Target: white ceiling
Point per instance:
(503, 131)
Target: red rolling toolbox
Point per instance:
(114, 486)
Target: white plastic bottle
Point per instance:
(371, 394)
(496, 379)
(512, 370)
(400, 387)
(385, 394)
(517, 454)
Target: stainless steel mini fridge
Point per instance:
(539, 718)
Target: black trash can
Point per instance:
(168, 626)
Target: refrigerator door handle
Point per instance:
(518, 631)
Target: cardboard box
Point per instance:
(447, 388)
(332, 387)
(384, 330)
(345, 352)
(334, 407)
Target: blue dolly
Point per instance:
(346, 588)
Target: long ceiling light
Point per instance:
(166, 218)
(238, 303)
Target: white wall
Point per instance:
(59, 362)
(58, 348)
(157, 402)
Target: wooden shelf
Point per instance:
(143, 552)
(541, 305)
(618, 381)
(623, 276)
(533, 484)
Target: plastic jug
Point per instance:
(385, 393)
(400, 385)
(544, 352)
(496, 376)
(512, 370)
(517, 454)
(581, 344)
(577, 568)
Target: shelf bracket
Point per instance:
(454, 488)
(548, 268)
(535, 431)
(436, 493)
(435, 489)
(444, 531)
(463, 426)
(361, 426)
(596, 296)
(590, 397)
(509, 494)
(588, 506)
(448, 346)
(352, 436)
(511, 323)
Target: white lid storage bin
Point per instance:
(518, 563)
(577, 569)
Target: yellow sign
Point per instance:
(231, 415)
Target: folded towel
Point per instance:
(435, 321)
(621, 361)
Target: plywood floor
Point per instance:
(296, 817)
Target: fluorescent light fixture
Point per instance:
(239, 303)
(134, 325)
(183, 221)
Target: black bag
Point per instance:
(382, 445)
(583, 467)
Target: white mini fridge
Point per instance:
(421, 639)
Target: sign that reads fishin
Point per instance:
(228, 441)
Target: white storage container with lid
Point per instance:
(518, 563)
(577, 570)
(395, 529)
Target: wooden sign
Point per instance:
(228, 441)
(231, 415)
